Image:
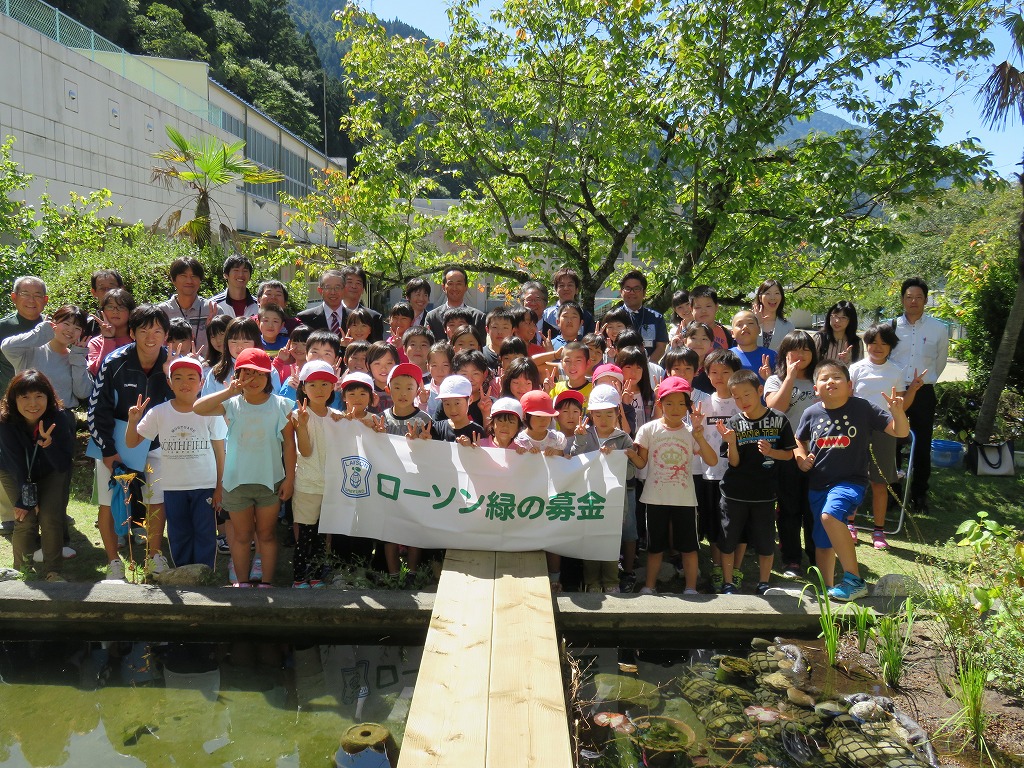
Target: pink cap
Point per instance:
(608, 369)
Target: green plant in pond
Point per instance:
(830, 626)
(863, 621)
(892, 641)
(971, 718)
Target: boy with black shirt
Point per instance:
(753, 440)
(454, 396)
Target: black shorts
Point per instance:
(709, 496)
(750, 521)
(683, 522)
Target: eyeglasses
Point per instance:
(632, 289)
(27, 295)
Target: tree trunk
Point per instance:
(1007, 345)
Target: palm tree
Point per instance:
(1002, 99)
(201, 166)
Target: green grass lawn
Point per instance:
(956, 496)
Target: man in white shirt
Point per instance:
(923, 349)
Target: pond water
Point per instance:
(775, 704)
(200, 704)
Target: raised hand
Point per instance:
(45, 436)
(725, 432)
(106, 329)
(697, 420)
(485, 403)
(766, 369)
(894, 401)
(285, 353)
(468, 441)
(844, 355)
(302, 414)
(581, 428)
(918, 381)
(136, 411)
(378, 423)
(547, 343)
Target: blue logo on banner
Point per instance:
(355, 477)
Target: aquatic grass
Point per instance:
(972, 717)
(863, 622)
(830, 625)
(892, 641)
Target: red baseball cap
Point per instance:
(407, 369)
(568, 394)
(673, 384)
(537, 402)
(253, 358)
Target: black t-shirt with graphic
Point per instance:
(754, 478)
(840, 440)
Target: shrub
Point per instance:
(957, 410)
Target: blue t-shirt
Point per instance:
(752, 361)
(254, 443)
(840, 440)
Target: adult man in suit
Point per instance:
(342, 291)
(455, 285)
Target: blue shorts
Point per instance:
(839, 501)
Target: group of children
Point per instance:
(736, 446)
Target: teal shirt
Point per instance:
(254, 448)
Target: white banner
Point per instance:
(432, 494)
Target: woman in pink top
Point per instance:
(115, 310)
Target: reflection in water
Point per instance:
(196, 704)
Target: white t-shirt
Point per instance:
(553, 439)
(187, 460)
(716, 409)
(309, 470)
(669, 464)
(870, 381)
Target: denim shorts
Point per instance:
(839, 501)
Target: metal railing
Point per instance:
(63, 29)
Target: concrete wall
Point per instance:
(80, 126)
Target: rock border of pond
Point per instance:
(110, 611)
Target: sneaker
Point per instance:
(222, 545)
(301, 585)
(793, 571)
(264, 585)
(628, 581)
(850, 588)
(67, 553)
(878, 540)
(158, 564)
(241, 584)
(716, 578)
(115, 571)
(256, 572)
(729, 589)
(317, 584)
(54, 576)
(762, 587)
(853, 532)
(648, 591)
(737, 579)
(689, 591)
(612, 590)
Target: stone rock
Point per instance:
(9, 574)
(868, 711)
(897, 585)
(777, 680)
(760, 644)
(783, 592)
(798, 697)
(194, 575)
(829, 709)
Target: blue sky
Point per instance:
(961, 118)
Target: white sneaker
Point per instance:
(158, 564)
(67, 553)
(115, 571)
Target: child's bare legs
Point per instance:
(716, 555)
(266, 539)
(628, 556)
(841, 543)
(727, 566)
(412, 557)
(242, 529)
(107, 533)
(879, 503)
(391, 556)
(764, 567)
(825, 559)
(690, 569)
(653, 566)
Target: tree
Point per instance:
(603, 126)
(1002, 98)
(201, 166)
